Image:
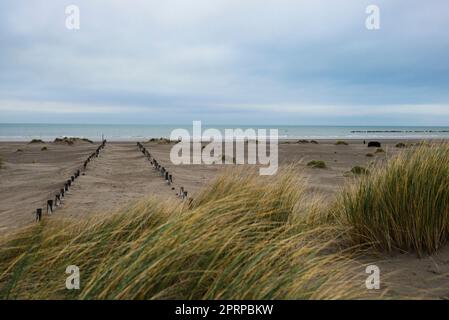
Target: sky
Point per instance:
(288, 62)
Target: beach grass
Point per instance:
(35, 141)
(403, 205)
(244, 237)
(317, 164)
(72, 140)
(359, 170)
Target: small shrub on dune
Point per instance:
(400, 145)
(44, 149)
(164, 141)
(380, 150)
(36, 141)
(341, 143)
(370, 155)
(72, 140)
(161, 140)
(87, 140)
(359, 170)
(317, 164)
(65, 140)
(404, 205)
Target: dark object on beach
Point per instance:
(50, 206)
(341, 143)
(69, 182)
(38, 214)
(44, 149)
(370, 155)
(400, 145)
(173, 188)
(62, 193)
(364, 141)
(302, 141)
(66, 187)
(72, 178)
(374, 144)
(313, 141)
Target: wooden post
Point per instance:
(38, 214)
(50, 206)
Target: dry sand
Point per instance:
(121, 175)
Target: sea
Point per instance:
(122, 132)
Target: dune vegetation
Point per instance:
(317, 164)
(35, 141)
(404, 204)
(71, 141)
(244, 237)
(240, 239)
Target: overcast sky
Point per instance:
(225, 62)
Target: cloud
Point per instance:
(213, 59)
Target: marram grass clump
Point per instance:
(404, 205)
(244, 237)
(317, 164)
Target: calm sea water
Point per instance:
(26, 132)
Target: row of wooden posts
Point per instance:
(162, 170)
(53, 204)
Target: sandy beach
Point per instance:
(121, 176)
